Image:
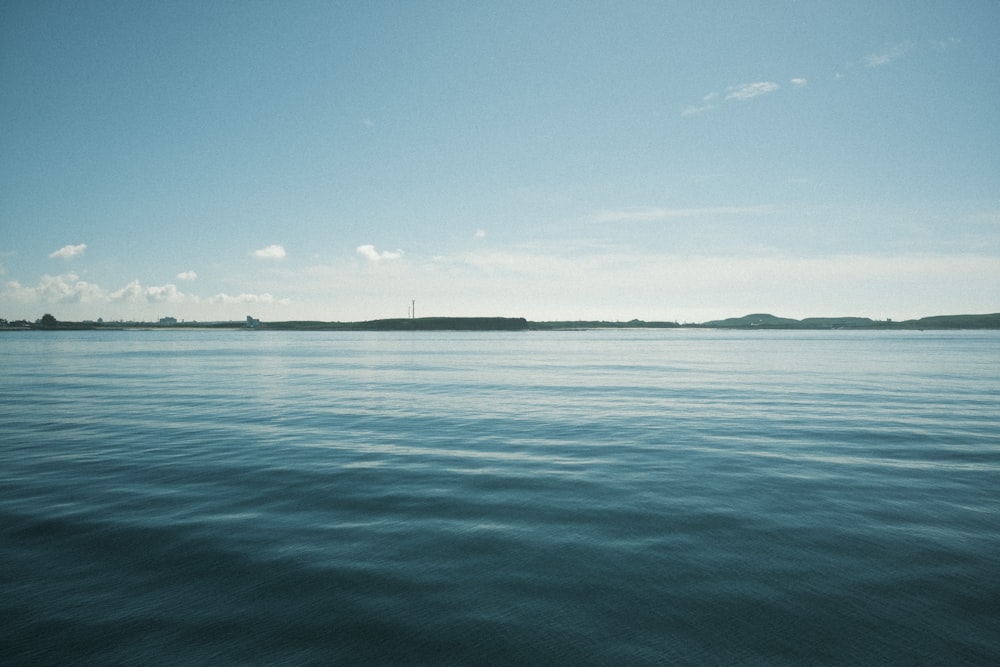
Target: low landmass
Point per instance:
(409, 324)
(753, 321)
(766, 321)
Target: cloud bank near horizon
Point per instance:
(553, 281)
(69, 289)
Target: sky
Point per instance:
(340, 161)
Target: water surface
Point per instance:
(591, 497)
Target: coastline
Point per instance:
(760, 321)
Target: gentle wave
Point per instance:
(622, 497)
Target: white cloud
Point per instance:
(164, 294)
(746, 91)
(130, 292)
(270, 252)
(887, 56)
(369, 252)
(65, 288)
(480, 234)
(655, 213)
(798, 82)
(367, 122)
(69, 288)
(187, 275)
(79, 299)
(134, 292)
(68, 251)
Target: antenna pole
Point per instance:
(413, 309)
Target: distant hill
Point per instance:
(837, 323)
(445, 324)
(991, 321)
(410, 324)
(766, 321)
(756, 320)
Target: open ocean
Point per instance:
(607, 497)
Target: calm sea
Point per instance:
(445, 498)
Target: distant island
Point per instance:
(755, 321)
(765, 321)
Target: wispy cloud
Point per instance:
(655, 213)
(270, 252)
(738, 93)
(945, 44)
(887, 56)
(369, 252)
(367, 122)
(480, 234)
(187, 275)
(746, 91)
(707, 103)
(695, 109)
(265, 298)
(798, 82)
(68, 251)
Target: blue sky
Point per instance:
(552, 160)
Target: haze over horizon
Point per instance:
(555, 161)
